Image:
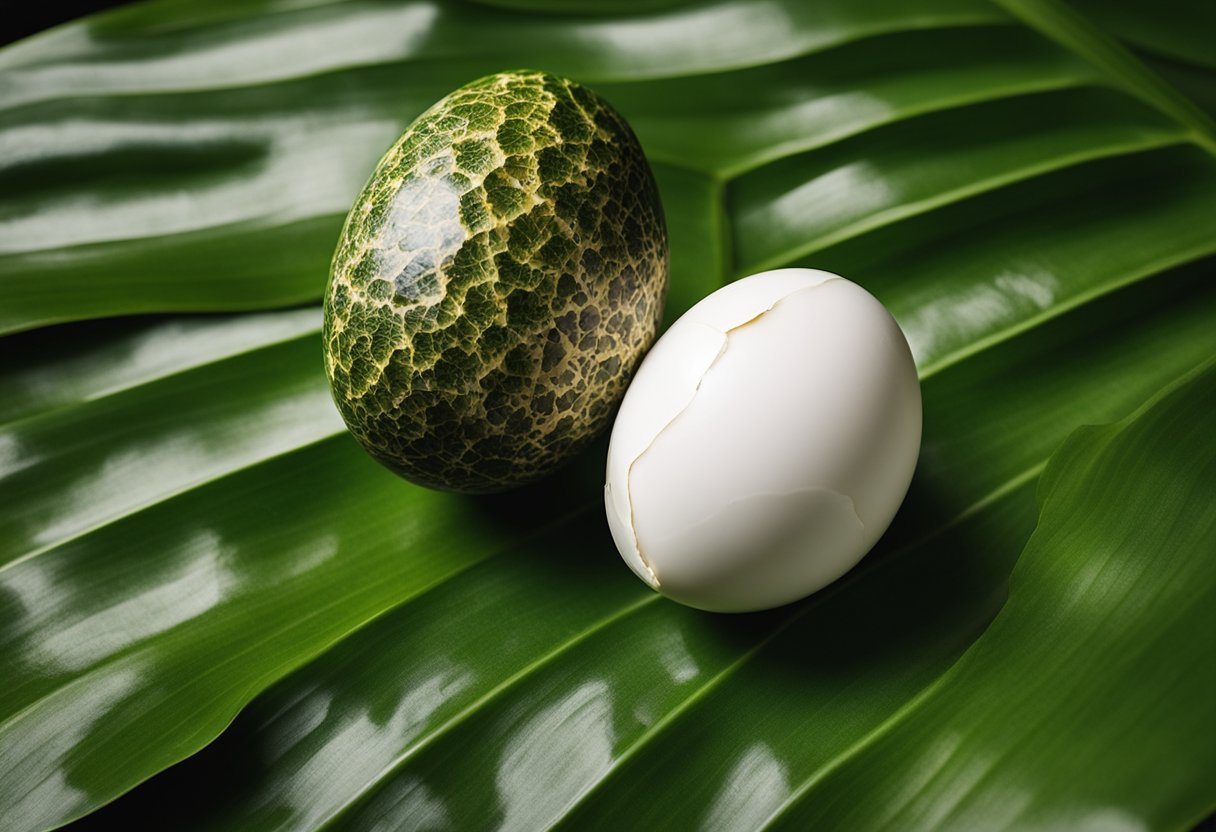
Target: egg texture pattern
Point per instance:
(765, 443)
(495, 285)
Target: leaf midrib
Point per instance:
(1060, 23)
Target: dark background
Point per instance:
(24, 19)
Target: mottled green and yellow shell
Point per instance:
(496, 283)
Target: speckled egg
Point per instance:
(496, 283)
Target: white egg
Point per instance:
(765, 443)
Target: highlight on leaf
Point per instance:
(217, 612)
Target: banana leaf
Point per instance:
(216, 612)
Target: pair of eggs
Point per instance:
(495, 287)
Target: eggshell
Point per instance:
(765, 443)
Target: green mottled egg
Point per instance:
(495, 285)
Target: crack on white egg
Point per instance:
(651, 575)
(852, 507)
(637, 543)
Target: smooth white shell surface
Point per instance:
(765, 443)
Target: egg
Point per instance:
(765, 443)
(495, 284)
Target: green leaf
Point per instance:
(193, 555)
(1115, 586)
(50, 371)
(271, 118)
(1061, 23)
(363, 733)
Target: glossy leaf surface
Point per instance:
(1115, 586)
(193, 556)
